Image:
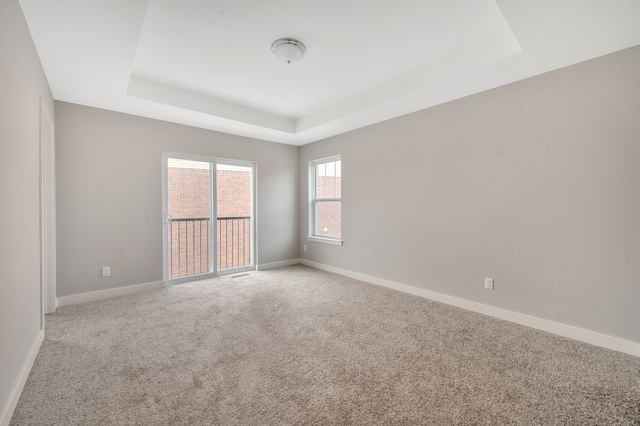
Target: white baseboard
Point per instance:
(16, 391)
(583, 335)
(279, 264)
(105, 294)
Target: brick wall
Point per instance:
(329, 213)
(188, 191)
(233, 193)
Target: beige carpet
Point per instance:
(298, 346)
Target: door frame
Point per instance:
(48, 301)
(213, 161)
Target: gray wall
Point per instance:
(109, 194)
(22, 83)
(536, 184)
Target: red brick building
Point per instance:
(329, 212)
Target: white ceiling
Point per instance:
(208, 63)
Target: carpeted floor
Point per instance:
(298, 346)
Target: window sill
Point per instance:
(325, 240)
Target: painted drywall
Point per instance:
(22, 84)
(109, 194)
(534, 184)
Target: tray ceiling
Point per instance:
(209, 64)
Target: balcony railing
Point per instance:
(189, 251)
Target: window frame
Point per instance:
(314, 201)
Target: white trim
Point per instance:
(47, 213)
(278, 264)
(165, 217)
(105, 294)
(18, 387)
(191, 278)
(313, 201)
(328, 159)
(564, 330)
(238, 270)
(325, 240)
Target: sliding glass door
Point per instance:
(234, 217)
(208, 217)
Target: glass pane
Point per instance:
(328, 214)
(233, 204)
(328, 180)
(189, 206)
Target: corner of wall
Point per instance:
(18, 386)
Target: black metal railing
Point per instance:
(234, 242)
(189, 252)
(188, 246)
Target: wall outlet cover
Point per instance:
(488, 283)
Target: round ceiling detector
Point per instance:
(288, 50)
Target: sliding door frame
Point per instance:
(213, 252)
(252, 231)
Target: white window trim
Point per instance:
(337, 241)
(332, 241)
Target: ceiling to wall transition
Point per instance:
(208, 63)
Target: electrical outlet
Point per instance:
(488, 283)
(106, 271)
(304, 247)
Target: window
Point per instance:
(326, 199)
